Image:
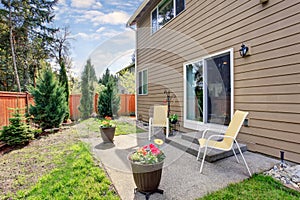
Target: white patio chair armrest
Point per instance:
(205, 131)
(150, 120)
(223, 136)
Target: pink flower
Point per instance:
(151, 146)
(155, 151)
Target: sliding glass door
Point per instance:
(194, 95)
(208, 90)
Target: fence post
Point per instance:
(27, 102)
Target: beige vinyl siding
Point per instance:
(267, 83)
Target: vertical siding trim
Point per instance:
(232, 80)
(135, 72)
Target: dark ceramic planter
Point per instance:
(147, 177)
(173, 121)
(108, 134)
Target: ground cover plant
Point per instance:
(257, 187)
(55, 167)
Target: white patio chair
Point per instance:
(159, 119)
(227, 139)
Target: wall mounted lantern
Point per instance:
(243, 50)
(264, 1)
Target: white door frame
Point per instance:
(191, 124)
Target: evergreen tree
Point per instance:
(17, 132)
(50, 105)
(109, 100)
(88, 77)
(28, 27)
(106, 77)
(63, 79)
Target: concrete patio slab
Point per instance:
(180, 177)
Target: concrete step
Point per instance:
(194, 136)
(188, 142)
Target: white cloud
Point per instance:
(116, 17)
(110, 33)
(114, 53)
(85, 36)
(97, 17)
(61, 1)
(85, 3)
(97, 5)
(101, 29)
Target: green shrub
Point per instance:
(17, 132)
(50, 102)
(109, 100)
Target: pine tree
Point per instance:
(106, 77)
(109, 100)
(18, 132)
(30, 32)
(50, 103)
(88, 77)
(63, 79)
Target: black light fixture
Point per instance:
(243, 50)
(264, 1)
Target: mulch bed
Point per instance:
(4, 148)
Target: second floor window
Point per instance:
(164, 12)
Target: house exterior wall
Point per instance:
(266, 83)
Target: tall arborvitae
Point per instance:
(63, 79)
(88, 77)
(109, 100)
(50, 105)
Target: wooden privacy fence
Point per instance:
(127, 105)
(12, 100)
(74, 103)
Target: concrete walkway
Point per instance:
(180, 177)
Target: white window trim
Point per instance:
(191, 124)
(174, 13)
(138, 88)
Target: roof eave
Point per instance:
(133, 18)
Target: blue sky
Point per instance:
(98, 27)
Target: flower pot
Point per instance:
(147, 176)
(174, 121)
(108, 134)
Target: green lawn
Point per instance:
(259, 187)
(75, 177)
(122, 128)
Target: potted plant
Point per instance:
(146, 164)
(173, 118)
(107, 129)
